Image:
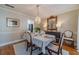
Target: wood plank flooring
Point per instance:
(72, 51)
(7, 50)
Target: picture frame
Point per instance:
(12, 22)
(51, 23)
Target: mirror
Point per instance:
(51, 23)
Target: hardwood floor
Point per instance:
(7, 50)
(72, 51)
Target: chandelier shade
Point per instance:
(37, 18)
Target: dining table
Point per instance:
(42, 40)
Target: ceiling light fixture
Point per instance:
(38, 19)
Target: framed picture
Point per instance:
(12, 22)
(51, 23)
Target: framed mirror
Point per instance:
(51, 23)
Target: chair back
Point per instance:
(68, 34)
(61, 43)
(61, 40)
(27, 36)
(42, 32)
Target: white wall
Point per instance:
(12, 14)
(4, 29)
(9, 33)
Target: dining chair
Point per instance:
(55, 47)
(68, 36)
(28, 37)
(42, 32)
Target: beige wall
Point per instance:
(44, 24)
(66, 21)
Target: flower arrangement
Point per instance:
(37, 29)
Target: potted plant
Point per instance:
(37, 29)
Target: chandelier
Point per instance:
(37, 19)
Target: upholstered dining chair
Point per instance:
(28, 37)
(68, 36)
(42, 32)
(56, 47)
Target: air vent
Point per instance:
(9, 6)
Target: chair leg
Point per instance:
(31, 50)
(72, 44)
(40, 53)
(49, 52)
(27, 47)
(60, 52)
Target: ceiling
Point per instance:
(45, 10)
